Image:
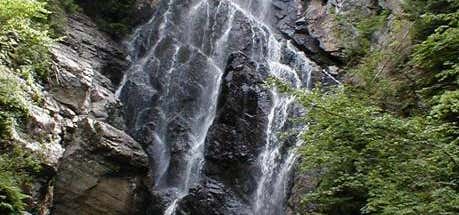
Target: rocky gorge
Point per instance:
(176, 118)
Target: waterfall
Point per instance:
(171, 91)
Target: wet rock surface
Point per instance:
(211, 197)
(238, 132)
(111, 15)
(303, 183)
(176, 60)
(172, 88)
(105, 171)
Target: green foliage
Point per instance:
(428, 15)
(436, 61)
(24, 38)
(411, 72)
(68, 5)
(12, 103)
(381, 74)
(371, 162)
(356, 30)
(388, 142)
(10, 195)
(447, 107)
(15, 169)
(60, 10)
(57, 19)
(444, 42)
(24, 58)
(24, 63)
(112, 16)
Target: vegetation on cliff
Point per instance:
(111, 16)
(24, 62)
(27, 30)
(387, 142)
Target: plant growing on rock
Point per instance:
(24, 64)
(373, 162)
(373, 159)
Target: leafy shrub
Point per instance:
(10, 195)
(356, 31)
(428, 15)
(371, 158)
(68, 5)
(24, 63)
(372, 162)
(12, 102)
(16, 167)
(436, 61)
(111, 16)
(24, 39)
(447, 107)
(24, 57)
(59, 11)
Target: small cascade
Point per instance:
(171, 92)
(274, 163)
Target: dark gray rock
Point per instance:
(211, 198)
(238, 132)
(233, 144)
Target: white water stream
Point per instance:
(192, 40)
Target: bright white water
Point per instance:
(178, 58)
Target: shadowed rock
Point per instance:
(238, 132)
(102, 172)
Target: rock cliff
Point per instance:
(106, 157)
(90, 164)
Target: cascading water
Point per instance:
(171, 91)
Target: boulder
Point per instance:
(103, 171)
(212, 198)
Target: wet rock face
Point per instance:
(238, 132)
(211, 198)
(303, 183)
(171, 91)
(233, 142)
(102, 172)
